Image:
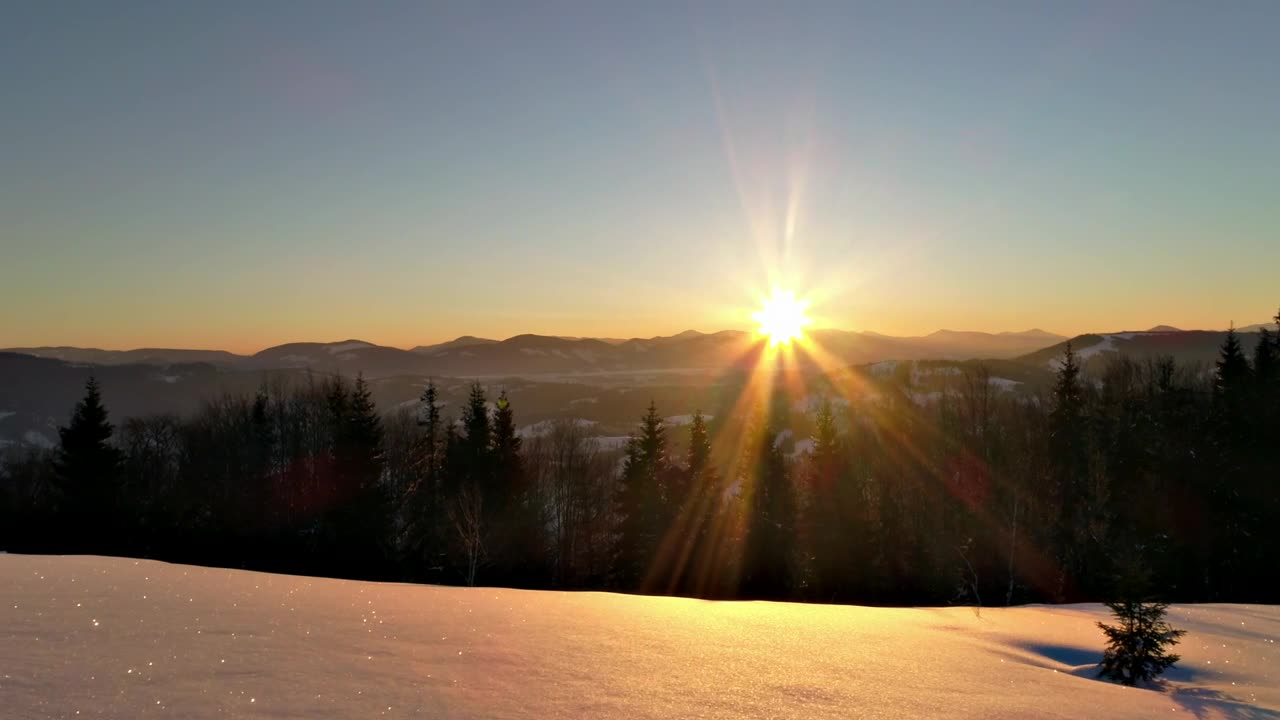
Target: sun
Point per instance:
(782, 317)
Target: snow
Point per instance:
(584, 400)
(1004, 383)
(803, 447)
(170, 379)
(926, 398)
(1107, 344)
(7, 413)
(545, 427)
(337, 348)
(812, 402)
(114, 637)
(884, 367)
(36, 438)
(682, 420)
(609, 442)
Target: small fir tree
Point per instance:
(1137, 646)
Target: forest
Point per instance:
(1149, 478)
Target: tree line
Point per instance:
(1149, 474)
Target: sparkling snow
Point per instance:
(121, 638)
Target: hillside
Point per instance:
(106, 637)
(1185, 346)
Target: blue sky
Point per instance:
(244, 174)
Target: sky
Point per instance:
(243, 174)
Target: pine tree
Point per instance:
(476, 443)
(1232, 375)
(1137, 646)
(829, 541)
(360, 516)
(771, 520)
(1069, 468)
(516, 517)
(699, 456)
(87, 472)
(639, 503)
(468, 490)
(1233, 517)
(431, 429)
(422, 510)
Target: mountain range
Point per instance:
(532, 355)
(595, 380)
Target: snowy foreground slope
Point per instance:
(103, 637)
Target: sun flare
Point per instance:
(782, 317)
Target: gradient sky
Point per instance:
(242, 174)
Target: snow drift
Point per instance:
(104, 637)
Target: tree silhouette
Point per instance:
(640, 502)
(87, 471)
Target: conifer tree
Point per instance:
(1137, 645)
(87, 472)
(476, 443)
(517, 517)
(1069, 468)
(639, 502)
(771, 519)
(363, 436)
(829, 541)
(361, 515)
(699, 456)
(468, 490)
(431, 429)
(1232, 374)
(422, 510)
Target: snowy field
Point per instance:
(97, 637)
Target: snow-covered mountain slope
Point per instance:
(102, 637)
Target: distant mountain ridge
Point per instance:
(530, 354)
(536, 355)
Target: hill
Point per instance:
(542, 355)
(1185, 346)
(114, 637)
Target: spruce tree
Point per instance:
(87, 472)
(1069, 468)
(829, 541)
(476, 443)
(1235, 504)
(1232, 373)
(639, 503)
(516, 516)
(1137, 645)
(361, 511)
(422, 510)
(771, 519)
(469, 493)
(699, 456)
